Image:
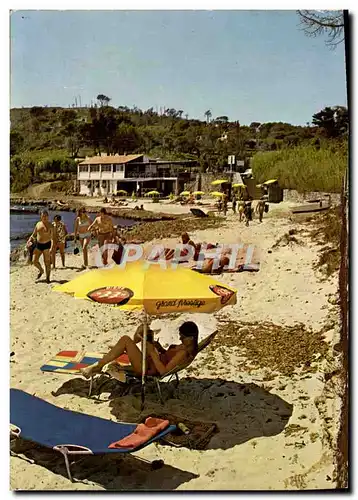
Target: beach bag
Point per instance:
(266, 207)
(76, 250)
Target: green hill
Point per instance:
(45, 141)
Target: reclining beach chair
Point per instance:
(69, 432)
(198, 212)
(113, 371)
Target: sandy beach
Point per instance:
(277, 424)
(168, 207)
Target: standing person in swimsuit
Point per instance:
(241, 208)
(234, 203)
(224, 201)
(82, 231)
(260, 208)
(42, 235)
(247, 212)
(59, 234)
(159, 360)
(104, 225)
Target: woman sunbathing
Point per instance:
(169, 253)
(207, 267)
(159, 360)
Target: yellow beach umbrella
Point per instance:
(152, 193)
(134, 286)
(270, 181)
(185, 193)
(239, 185)
(199, 192)
(122, 191)
(258, 185)
(216, 193)
(218, 181)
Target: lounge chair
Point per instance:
(198, 213)
(69, 432)
(129, 376)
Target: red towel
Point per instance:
(142, 434)
(123, 359)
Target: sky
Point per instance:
(247, 65)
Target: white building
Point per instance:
(105, 175)
(99, 175)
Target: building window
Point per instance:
(106, 168)
(94, 168)
(83, 168)
(118, 168)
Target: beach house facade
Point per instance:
(107, 174)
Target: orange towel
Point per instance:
(142, 434)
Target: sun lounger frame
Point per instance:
(68, 450)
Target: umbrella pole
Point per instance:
(144, 357)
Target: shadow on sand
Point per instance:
(60, 282)
(241, 411)
(111, 472)
(66, 268)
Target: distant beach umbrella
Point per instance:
(270, 181)
(216, 193)
(185, 193)
(152, 193)
(218, 182)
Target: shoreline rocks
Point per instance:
(123, 213)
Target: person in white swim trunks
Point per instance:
(81, 230)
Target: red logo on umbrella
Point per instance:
(115, 295)
(223, 292)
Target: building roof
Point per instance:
(103, 160)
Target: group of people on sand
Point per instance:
(113, 201)
(243, 207)
(49, 237)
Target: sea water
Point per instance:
(23, 224)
